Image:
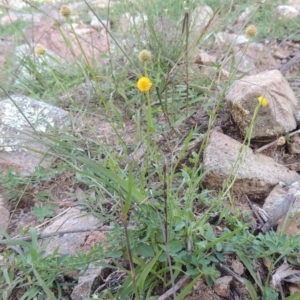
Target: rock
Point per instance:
(245, 14)
(47, 33)
(242, 62)
(279, 193)
(289, 223)
(237, 266)
(43, 64)
(258, 173)
(17, 137)
(294, 145)
(277, 118)
(262, 56)
(88, 282)
(13, 4)
(203, 58)
(222, 286)
(281, 53)
(96, 24)
(286, 12)
(4, 217)
(225, 39)
(294, 3)
(200, 17)
(72, 243)
(251, 59)
(12, 17)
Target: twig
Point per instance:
(177, 286)
(273, 143)
(291, 62)
(261, 221)
(46, 222)
(230, 272)
(28, 238)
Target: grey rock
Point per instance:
(88, 282)
(31, 64)
(242, 62)
(277, 118)
(21, 120)
(279, 193)
(279, 199)
(96, 24)
(200, 17)
(72, 243)
(222, 286)
(225, 39)
(257, 175)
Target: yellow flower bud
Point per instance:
(144, 55)
(65, 11)
(251, 30)
(40, 50)
(281, 141)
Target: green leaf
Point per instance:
(223, 238)
(251, 289)
(179, 225)
(293, 297)
(188, 288)
(247, 263)
(145, 250)
(44, 285)
(109, 177)
(113, 254)
(146, 271)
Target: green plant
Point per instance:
(151, 181)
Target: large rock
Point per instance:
(21, 120)
(257, 175)
(277, 118)
(73, 243)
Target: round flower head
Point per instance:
(251, 30)
(263, 101)
(281, 141)
(144, 84)
(40, 50)
(65, 11)
(144, 55)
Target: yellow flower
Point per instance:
(144, 84)
(251, 30)
(144, 55)
(65, 11)
(40, 50)
(263, 101)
